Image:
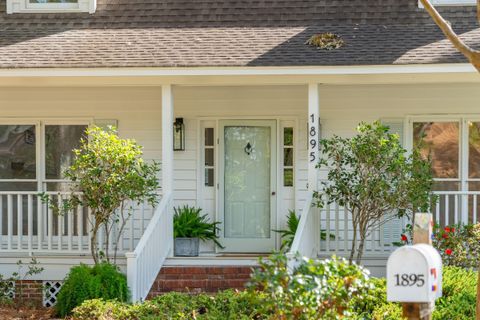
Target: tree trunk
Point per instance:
(354, 243)
(361, 246)
(93, 244)
(472, 55)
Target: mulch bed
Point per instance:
(21, 313)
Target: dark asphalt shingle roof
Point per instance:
(167, 33)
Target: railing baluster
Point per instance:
(3, 214)
(382, 234)
(80, 227)
(475, 208)
(59, 223)
(455, 211)
(437, 209)
(50, 225)
(132, 233)
(447, 210)
(337, 227)
(40, 220)
(10, 221)
(328, 218)
(30, 221)
(19, 221)
(345, 230)
(70, 229)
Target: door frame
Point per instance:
(251, 245)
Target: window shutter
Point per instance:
(105, 123)
(394, 228)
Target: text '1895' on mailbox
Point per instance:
(414, 274)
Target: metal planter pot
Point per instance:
(186, 247)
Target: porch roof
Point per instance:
(229, 33)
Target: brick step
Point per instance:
(197, 279)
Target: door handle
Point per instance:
(273, 193)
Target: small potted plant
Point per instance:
(189, 227)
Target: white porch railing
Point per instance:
(28, 224)
(456, 207)
(307, 237)
(145, 262)
(335, 232)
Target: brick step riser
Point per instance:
(200, 279)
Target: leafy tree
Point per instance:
(374, 178)
(473, 57)
(108, 173)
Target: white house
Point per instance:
(251, 94)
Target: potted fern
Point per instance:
(189, 227)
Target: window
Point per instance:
(34, 156)
(209, 157)
(288, 157)
(450, 3)
(16, 6)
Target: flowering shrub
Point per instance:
(313, 289)
(459, 245)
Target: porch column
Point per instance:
(313, 135)
(167, 139)
(167, 157)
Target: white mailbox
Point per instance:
(414, 274)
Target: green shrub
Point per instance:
(459, 295)
(388, 311)
(85, 282)
(227, 304)
(457, 302)
(314, 289)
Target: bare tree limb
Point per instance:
(471, 54)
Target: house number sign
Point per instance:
(313, 137)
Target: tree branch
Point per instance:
(471, 54)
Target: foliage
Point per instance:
(9, 286)
(189, 223)
(84, 282)
(372, 176)
(457, 302)
(107, 174)
(311, 290)
(459, 295)
(459, 245)
(326, 41)
(288, 235)
(224, 305)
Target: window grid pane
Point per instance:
(288, 157)
(439, 141)
(209, 157)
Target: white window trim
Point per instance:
(24, 6)
(450, 3)
(463, 120)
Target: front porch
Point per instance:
(194, 176)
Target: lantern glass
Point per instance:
(178, 135)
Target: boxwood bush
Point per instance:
(84, 282)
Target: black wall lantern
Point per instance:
(178, 135)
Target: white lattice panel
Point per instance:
(50, 292)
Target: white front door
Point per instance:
(247, 183)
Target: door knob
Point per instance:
(273, 193)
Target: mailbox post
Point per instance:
(414, 273)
